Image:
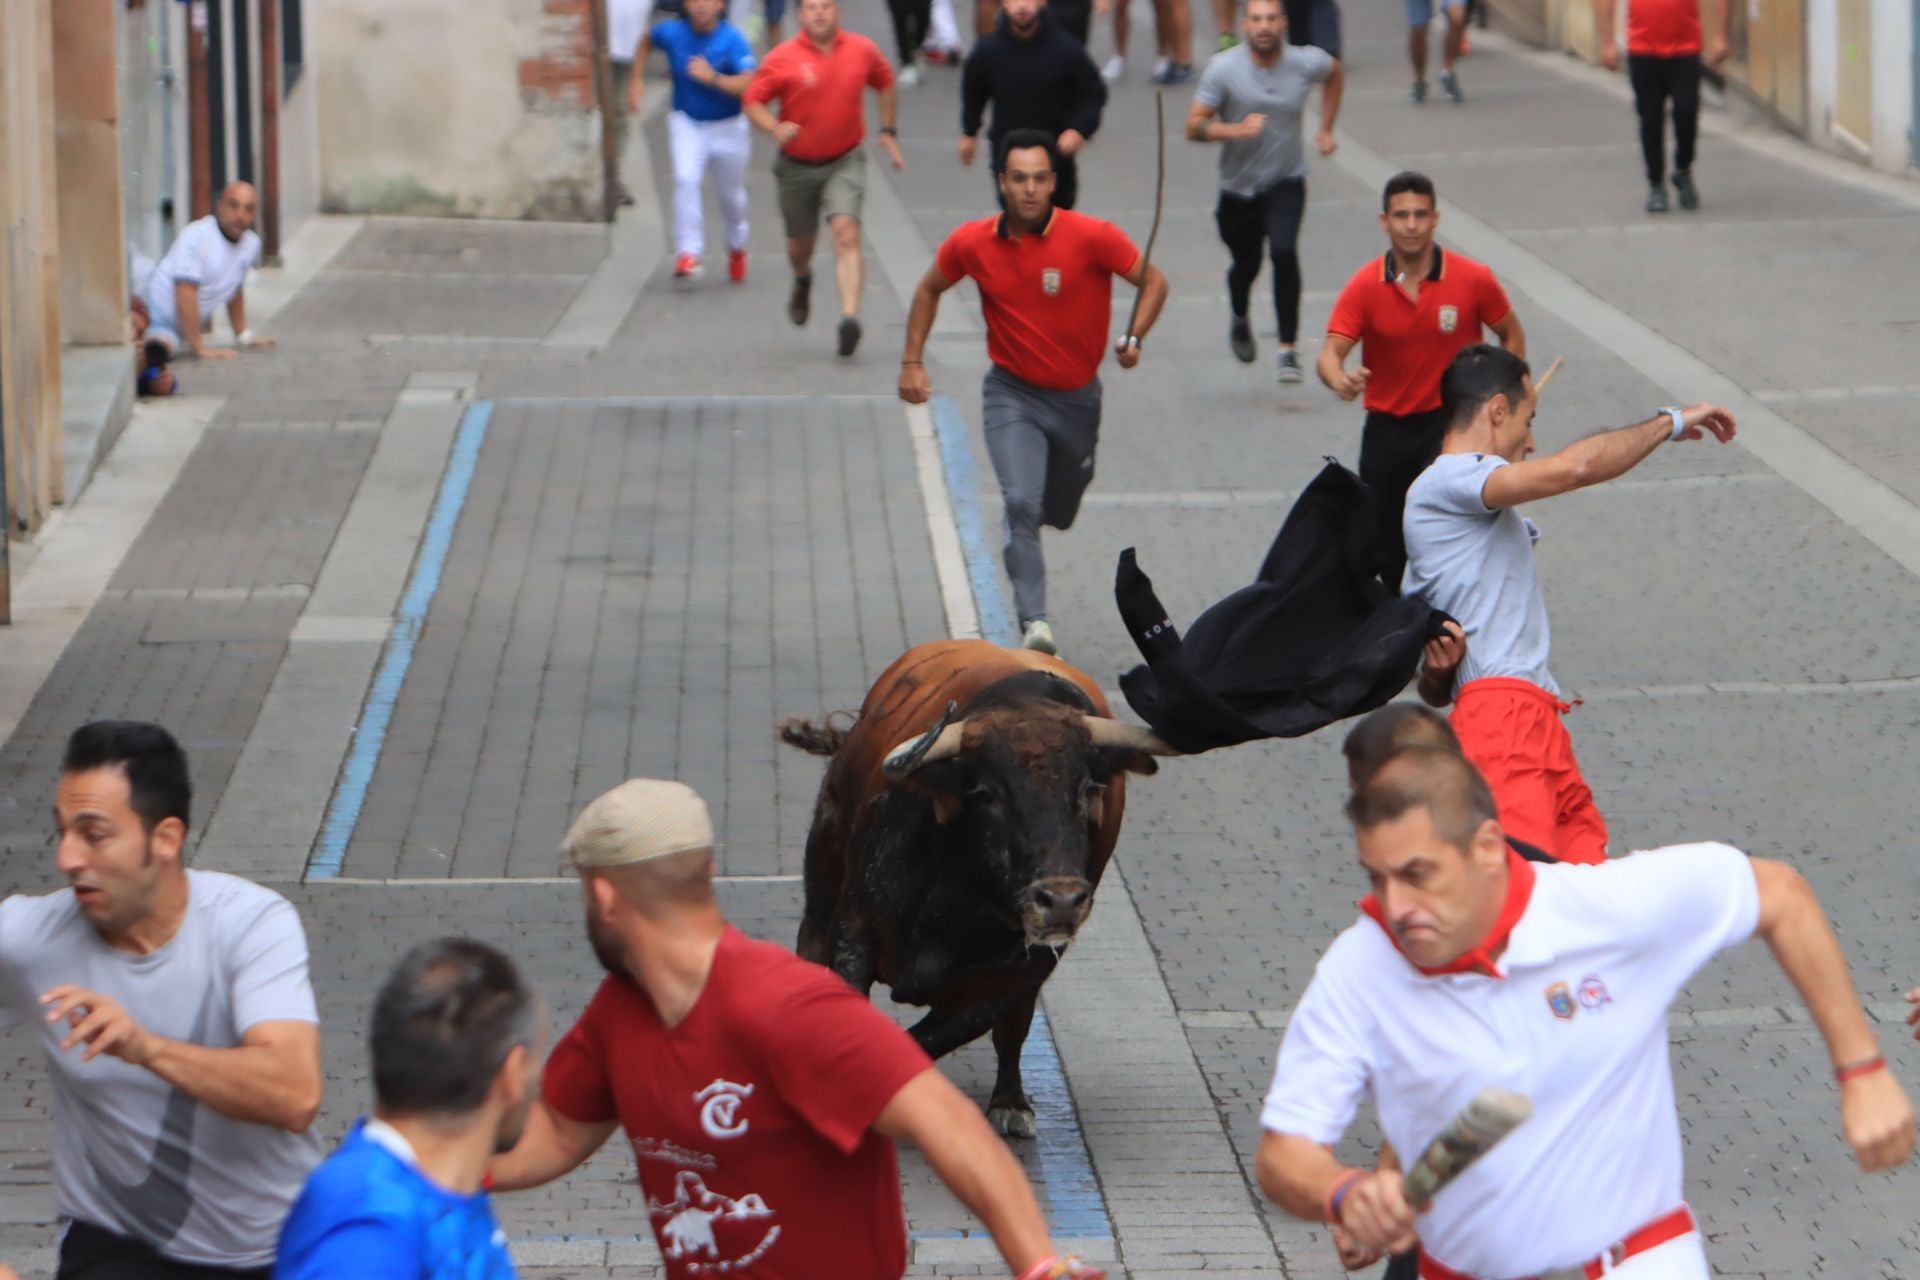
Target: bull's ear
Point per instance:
(1113, 762)
(943, 783)
(946, 808)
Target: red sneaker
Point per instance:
(737, 266)
(687, 267)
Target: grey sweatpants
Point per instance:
(1042, 445)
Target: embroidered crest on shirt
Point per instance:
(686, 1226)
(720, 1108)
(1449, 319)
(1560, 1000)
(1050, 280)
(1593, 992)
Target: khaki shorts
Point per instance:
(810, 192)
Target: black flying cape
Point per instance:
(1317, 639)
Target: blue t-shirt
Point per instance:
(369, 1214)
(726, 50)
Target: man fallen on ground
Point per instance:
(204, 270)
(1470, 554)
(455, 1040)
(178, 1022)
(1471, 967)
(769, 1093)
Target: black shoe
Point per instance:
(849, 334)
(1684, 188)
(1657, 198)
(800, 301)
(1241, 340)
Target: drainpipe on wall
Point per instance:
(270, 131)
(603, 98)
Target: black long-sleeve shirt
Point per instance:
(1045, 81)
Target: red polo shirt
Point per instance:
(1406, 344)
(1663, 28)
(1047, 296)
(820, 91)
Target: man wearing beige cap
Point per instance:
(760, 1093)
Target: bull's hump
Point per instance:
(910, 694)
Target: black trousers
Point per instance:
(1271, 218)
(1655, 80)
(911, 21)
(1066, 180)
(1394, 450)
(94, 1253)
(1402, 1266)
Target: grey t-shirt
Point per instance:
(1235, 87)
(1477, 565)
(130, 1152)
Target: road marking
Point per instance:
(636, 242)
(356, 775)
(950, 565)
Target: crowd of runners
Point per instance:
(1501, 942)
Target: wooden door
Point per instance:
(1853, 101)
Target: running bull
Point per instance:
(961, 830)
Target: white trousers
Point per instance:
(944, 33)
(724, 147)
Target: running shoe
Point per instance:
(1450, 85)
(908, 76)
(935, 56)
(737, 266)
(1160, 66)
(1419, 90)
(1176, 73)
(1657, 198)
(1684, 188)
(1115, 68)
(1240, 338)
(1289, 365)
(687, 267)
(1038, 636)
(800, 301)
(849, 334)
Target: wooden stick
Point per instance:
(1547, 377)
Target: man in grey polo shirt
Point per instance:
(178, 1024)
(1253, 99)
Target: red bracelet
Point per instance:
(1864, 1068)
(1042, 1269)
(1338, 1192)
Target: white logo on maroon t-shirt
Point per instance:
(686, 1226)
(720, 1108)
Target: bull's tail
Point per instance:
(821, 738)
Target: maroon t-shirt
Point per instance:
(751, 1121)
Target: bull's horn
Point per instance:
(937, 743)
(1127, 737)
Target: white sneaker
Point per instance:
(909, 77)
(1160, 68)
(1038, 636)
(1115, 68)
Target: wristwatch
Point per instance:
(889, 130)
(1678, 415)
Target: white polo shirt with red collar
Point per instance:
(1573, 1014)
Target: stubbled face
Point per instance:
(1439, 900)
(113, 863)
(1513, 429)
(1265, 24)
(820, 18)
(1023, 15)
(1030, 795)
(1027, 182)
(704, 15)
(608, 948)
(236, 211)
(1409, 222)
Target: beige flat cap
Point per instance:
(637, 821)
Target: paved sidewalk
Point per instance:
(687, 520)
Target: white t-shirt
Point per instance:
(131, 1153)
(1476, 565)
(201, 255)
(1577, 1021)
(626, 22)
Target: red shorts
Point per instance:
(1510, 729)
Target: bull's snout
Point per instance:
(1056, 908)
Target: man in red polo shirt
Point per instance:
(819, 78)
(1664, 61)
(1046, 289)
(1409, 311)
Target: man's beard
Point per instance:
(607, 949)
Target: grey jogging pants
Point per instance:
(1042, 444)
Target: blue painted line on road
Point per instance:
(356, 775)
(1073, 1192)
